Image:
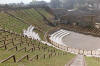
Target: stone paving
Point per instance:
(78, 61)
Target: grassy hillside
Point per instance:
(17, 50)
(32, 17)
(29, 52)
(25, 17)
(9, 23)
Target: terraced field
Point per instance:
(19, 50)
(17, 20)
(32, 17)
(29, 17)
(9, 23)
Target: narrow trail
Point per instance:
(78, 61)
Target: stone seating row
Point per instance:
(57, 36)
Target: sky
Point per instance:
(18, 1)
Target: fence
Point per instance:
(76, 51)
(29, 43)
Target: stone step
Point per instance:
(78, 61)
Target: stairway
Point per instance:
(78, 61)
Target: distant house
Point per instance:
(80, 18)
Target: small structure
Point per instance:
(97, 25)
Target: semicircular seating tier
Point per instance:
(57, 36)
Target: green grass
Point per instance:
(45, 13)
(54, 61)
(10, 23)
(40, 34)
(91, 61)
(31, 17)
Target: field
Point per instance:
(17, 48)
(23, 18)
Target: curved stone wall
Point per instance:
(56, 40)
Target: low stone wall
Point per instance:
(94, 53)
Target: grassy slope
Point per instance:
(10, 23)
(45, 13)
(92, 61)
(31, 17)
(54, 61)
(58, 60)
